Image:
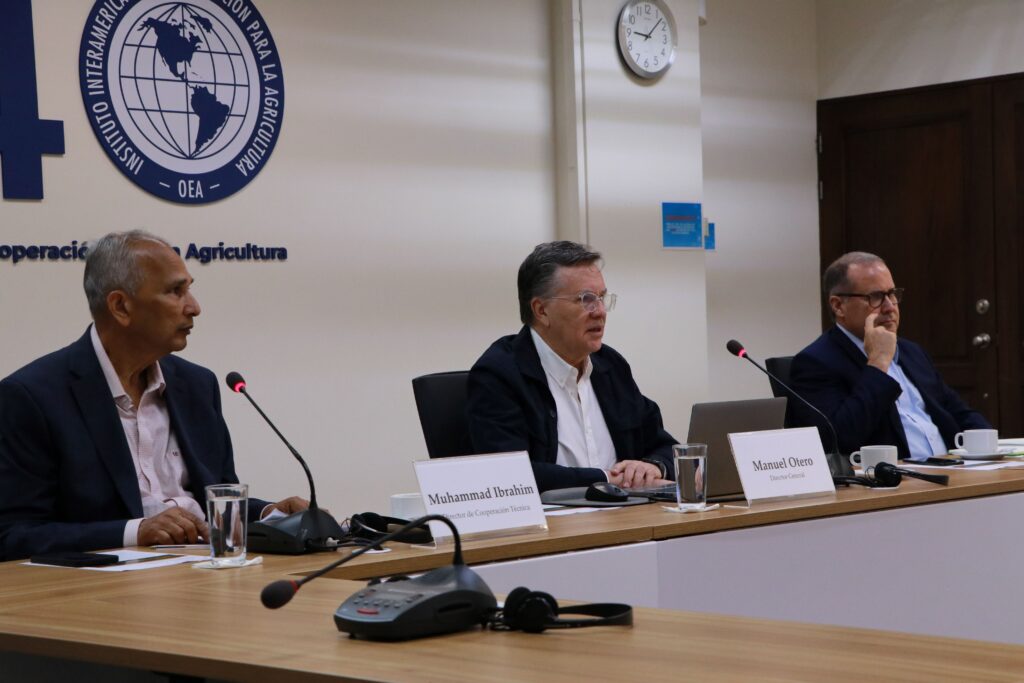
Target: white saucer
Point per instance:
(703, 507)
(999, 455)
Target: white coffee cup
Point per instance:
(870, 456)
(407, 506)
(978, 441)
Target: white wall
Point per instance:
(758, 83)
(410, 180)
(642, 149)
(876, 45)
(413, 173)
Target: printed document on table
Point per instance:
(146, 562)
(138, 559)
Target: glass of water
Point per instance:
(691, 475)
(226, 515)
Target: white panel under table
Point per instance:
(625, 573)
(949, 569)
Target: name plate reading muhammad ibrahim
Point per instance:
(484, 495)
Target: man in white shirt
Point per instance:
(556, 391)
(112, 440)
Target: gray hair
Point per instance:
(836, 274)
(537, 272)
(112, 263)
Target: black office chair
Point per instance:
(780, 368)
(441, 402)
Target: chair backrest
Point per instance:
(441, 402)
(780, 368)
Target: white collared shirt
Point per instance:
(583, 437)
(159, 467)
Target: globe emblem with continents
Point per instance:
(184, 81)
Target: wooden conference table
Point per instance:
(923, 559)
(203, 623)
(649, 523)
(210, 623)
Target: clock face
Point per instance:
(647, 37)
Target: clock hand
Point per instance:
(654, 27)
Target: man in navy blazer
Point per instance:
(876, 388)
(111, 441)
(556, 391)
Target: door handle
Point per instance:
(981, 341)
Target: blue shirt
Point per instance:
(923, 437)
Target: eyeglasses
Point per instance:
(875, 299)
(590, 300)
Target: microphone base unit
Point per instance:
(298, 533)
(839, 465)
(443, 600)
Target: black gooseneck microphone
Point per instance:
(278, 593)
(298, 533)
(236, 383)
(838, 464)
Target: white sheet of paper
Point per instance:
(981, 465)
(561, 512)
(123, 555)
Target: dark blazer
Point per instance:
(67, 481)
(510, 408)
(833, 374)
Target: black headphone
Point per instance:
(534, 611)
(373, 527)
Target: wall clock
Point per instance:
(647, 37)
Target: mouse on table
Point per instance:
(606, 492)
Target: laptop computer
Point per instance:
(711, 423)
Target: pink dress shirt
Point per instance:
(159, 466)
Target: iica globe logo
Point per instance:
(186, 98)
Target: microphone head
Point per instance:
(278, 593)
(235, 382)
(887, 474)
(735, 348)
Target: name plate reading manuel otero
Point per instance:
(781, 463)
(484, 495)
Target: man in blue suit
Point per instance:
(875, 387)
(112, 440)
(556, 391)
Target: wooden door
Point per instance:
(908, 176)
(1008, 150)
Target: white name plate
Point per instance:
(781, 463)
(484, 495)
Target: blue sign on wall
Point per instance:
(186, 98)
(681, 225)
(24, 137)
